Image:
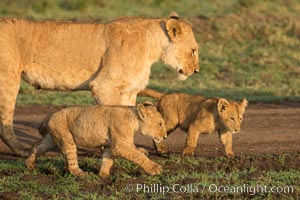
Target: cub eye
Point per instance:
(194, 52)
(160, 125)
(232, 119)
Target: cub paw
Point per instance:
(78, 172)
(143, 151)
(188, 151)
(154, 169)
(104, 175)
(30, 165)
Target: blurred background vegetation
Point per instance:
(248, 48)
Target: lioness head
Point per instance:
(231, 114)
(182, 52)
(151, 122)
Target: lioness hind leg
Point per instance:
(134, 155)
(107, 163)
(226, 139)
(8, 95)
(38, 149)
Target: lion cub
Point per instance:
(92, 126)
(196, 115)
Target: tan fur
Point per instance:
(113, 60)
(197, 115)
(92, 126)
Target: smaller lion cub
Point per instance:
(196, 115)
(93, 126)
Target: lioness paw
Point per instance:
(155, 169)
(188, 151)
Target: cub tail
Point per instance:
(151, 93)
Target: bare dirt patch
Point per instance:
(266, 129)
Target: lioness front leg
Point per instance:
(191, 141)
(107, 163)
(134, 155)
(104, 94)
(226, 139)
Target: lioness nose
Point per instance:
(196, 71)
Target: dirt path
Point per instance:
(267, 128)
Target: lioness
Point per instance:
(92, 126)
(113, 60)
(197, 114)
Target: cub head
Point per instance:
(182, 52)
(151, 122)
(231, 114)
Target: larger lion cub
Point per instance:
(197, 114)
(92, 126)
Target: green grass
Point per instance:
(247, 48)
(196, 176)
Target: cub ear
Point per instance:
(174, 15)
(243, 105)
(222, 104)
(148, 103)
(173, 27)
(141, 111)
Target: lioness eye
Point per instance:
(232, 119)
(241, 119)
(194, 51)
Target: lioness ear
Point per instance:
(222, 104)
(141, 111)
(173, 28)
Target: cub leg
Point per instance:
(191, 141)
(69, 151)
(226, 139)
(107, 163)
(38, 149)
(64, 139)
(129, 152)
